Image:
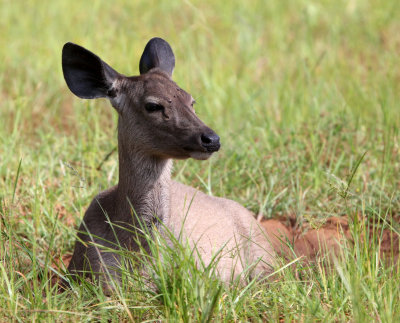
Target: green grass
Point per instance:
(297, 90)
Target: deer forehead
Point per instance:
(159, 88)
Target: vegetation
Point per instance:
(305, 97)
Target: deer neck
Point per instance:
(144, 186)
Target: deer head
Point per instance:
(156, 117)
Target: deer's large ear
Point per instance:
(157, 53)
(87, 76)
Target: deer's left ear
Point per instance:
(87, 76)
(157, 53)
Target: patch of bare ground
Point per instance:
(328, 239)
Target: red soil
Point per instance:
(310, 243)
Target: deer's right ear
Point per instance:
(87, 76)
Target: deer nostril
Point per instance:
(206, 139)
(210, 141)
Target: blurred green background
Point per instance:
(297, 90)
(294, 88)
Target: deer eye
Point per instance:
(152, 107)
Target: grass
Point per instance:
(298, 91)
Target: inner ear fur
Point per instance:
(86, 75)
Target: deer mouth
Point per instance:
(209, 149)
(201, 153)
(193, 150)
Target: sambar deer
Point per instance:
(157, 123)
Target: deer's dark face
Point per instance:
(156, 116)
